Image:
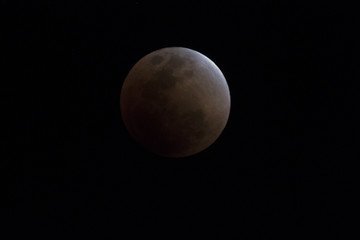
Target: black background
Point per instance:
(280, 168)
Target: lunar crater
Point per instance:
(157, 59)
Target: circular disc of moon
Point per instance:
(175, 102)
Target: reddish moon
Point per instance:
(175, 102)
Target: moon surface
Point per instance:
(175, 102)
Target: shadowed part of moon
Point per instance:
(175, 102)
(188, 73)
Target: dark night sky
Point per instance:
(280, 168)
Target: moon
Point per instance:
(175, 102)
